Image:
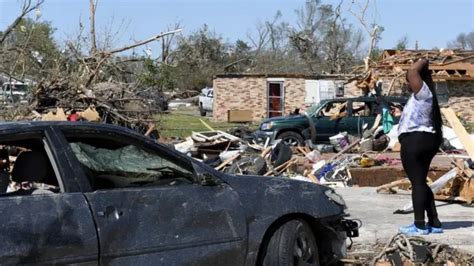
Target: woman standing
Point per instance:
(420, 136)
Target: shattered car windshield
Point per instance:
(132, 163)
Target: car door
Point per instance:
(181, 222)
(50, 228)
(326, 122)
(361, 112)
(209, 100)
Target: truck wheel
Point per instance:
(201, 111)
(291, 138)
(292, 244)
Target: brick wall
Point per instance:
(295, 93)
(245, 93)
(250, 93)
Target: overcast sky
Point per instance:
(432, 22)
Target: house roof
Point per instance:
(284, 75)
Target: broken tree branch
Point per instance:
(92, 7)
(119, 50)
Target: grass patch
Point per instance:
(182, 125)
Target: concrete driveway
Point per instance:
(380, 224)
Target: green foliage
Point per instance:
(34, 48)
(157, 75)
(198, 57)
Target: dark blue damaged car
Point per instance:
(98, 194)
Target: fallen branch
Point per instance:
(119, 50)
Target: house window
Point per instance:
(275, 98)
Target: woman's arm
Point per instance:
(413, 75)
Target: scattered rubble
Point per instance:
(406, 250)
(312, 163)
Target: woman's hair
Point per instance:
(435, 111)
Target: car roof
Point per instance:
(31, 125)
(368, 98)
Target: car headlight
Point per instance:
(266, 126)
(333, 196)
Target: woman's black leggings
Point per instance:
(417, 152)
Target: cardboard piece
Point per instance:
(239, 116)
(58, 116)
(90, 114)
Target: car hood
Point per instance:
(283, 118)
(273, 196)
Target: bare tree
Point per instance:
(464, 41)
(373, 30)
(308, 37)
(92, 9)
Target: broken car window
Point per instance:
(361, 109)
(127, 166)
(26, 170)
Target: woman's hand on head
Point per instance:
(413, 75)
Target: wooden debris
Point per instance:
(346, 149)
(226, 162)
(389, 187)
(281, 168)
(459, 130)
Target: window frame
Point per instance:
(281, 97)
(44, 137)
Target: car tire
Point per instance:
(202, 112)
(293, 243)
(281, 154)
(291, 138)
(254, 165)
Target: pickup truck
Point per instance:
(328, 118)
(205, 101)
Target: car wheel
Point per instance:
(254, 165)
(201, 111)
(292, 244)
(291, 138)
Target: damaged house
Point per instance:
(261, 96)
(254, 97)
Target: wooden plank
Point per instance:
(393, 184)
(346, 149)
(227, 161)
(460, 131)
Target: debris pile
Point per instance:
(458, 183)
(241, 156)
(402, 249)
(108, 102)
